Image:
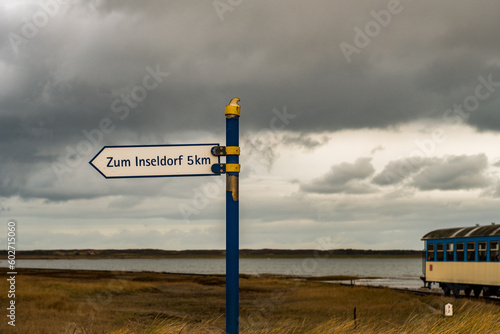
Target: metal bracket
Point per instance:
(225, 150)
(226, 168)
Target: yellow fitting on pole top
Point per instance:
(233, 108)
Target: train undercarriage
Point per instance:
(467, 289)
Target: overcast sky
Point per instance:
(363, 124)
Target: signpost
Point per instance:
(191, 160)
(155, 160)
(232, 217)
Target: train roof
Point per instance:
(464, 232)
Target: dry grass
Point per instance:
(125, 303)
(474, 319)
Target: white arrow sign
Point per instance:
(155, 160)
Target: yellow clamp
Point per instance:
(232, 150)
(233, 107)
(233, 168)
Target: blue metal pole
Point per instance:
(232, 219)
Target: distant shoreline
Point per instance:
(213, 254)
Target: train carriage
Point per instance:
(463, 259)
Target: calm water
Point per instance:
(392, 272)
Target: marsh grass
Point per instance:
(123, 303)
(474, 319)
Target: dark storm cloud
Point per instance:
(262, 52)
(68, 77)
(343, 178)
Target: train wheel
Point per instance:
(456, 292)
(467, 291)
(477, 291)
(446, 291)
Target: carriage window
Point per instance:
(494, 251)
(440, 252)
(430, 252)
(481, 249)
(471, 252)
(449, 251)
(460, 251)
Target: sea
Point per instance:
(400, 273)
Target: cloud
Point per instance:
(101, 53)
(376, 149)
(496, 190)
(446, 173)
(343, 178)
(399, 170)
(60, 84)
(455, 173)
(304, 140)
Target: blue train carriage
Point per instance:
(463, 259)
